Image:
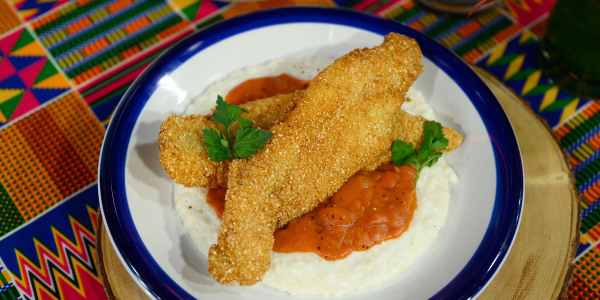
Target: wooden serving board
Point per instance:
(540, 263)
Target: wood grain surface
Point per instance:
(540, 263)
(118, 284)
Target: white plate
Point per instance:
(136, 194)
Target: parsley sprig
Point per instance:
(223, 145)
(429, 151)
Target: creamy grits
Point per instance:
(307, 273)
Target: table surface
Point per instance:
(64, 66)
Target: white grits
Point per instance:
(308, 273)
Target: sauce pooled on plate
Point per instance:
(371, 207)
(263, 87)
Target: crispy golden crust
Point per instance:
(265, 113)
(183, 154)
(409, 128)
(341, 123)
(181, 143)
(191, 169)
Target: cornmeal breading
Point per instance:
(183, 154)
(342, 122)
(264, 113)
(181, 144)
(193, 168)
(409, 128)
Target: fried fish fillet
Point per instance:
(409, 128)
(342, 122)
(185, 157)
(183, 154)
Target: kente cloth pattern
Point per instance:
(64, 65)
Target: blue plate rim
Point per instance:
(506, 213)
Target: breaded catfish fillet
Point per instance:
(181, 143)
(409, 128)
(342, 123)
(185, 159)
(183, 154)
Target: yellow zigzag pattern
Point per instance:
(532, 80)
(60, 262)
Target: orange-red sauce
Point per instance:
(263, 87)
(216, 199)
(371, 207)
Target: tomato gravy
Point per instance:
(371, 207)
(263, 87)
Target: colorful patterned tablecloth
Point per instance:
(64, 65)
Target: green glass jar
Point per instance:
(571, 47)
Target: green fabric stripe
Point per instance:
(567, 140)
(102, 29)
(10, 217)
(587, 172)
(588, 222)
(506, 59)
(10, 294)
(114, 93)
(377, 5)
(558, 104)
(584, 152)
(441, 27)
(210, 21)
(3, 279)
(407, 14)
(137, 40)
(522, 74)
(70, 16)
(483, 35)
(576, 120)
(121, 74)
(539, 89)
(579, 131)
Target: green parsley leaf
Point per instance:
(223, 146)
(429, 152)
(248, 140)
(227, 114)
(218, 147)
(438, 141)
(403, 154)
